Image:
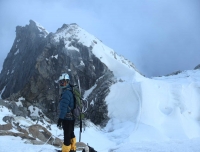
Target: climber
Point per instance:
(66, 119)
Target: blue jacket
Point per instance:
(66, 104)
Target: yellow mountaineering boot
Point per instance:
(73, 145)
(66, 148)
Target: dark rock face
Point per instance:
(197, 67)
(18, 67)
(97, 112)
(174, 73)
(35, 62)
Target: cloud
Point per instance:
(159, 37)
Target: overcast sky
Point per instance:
(158, 36)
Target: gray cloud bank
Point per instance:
(158, 36)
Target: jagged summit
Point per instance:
(36, 27)
(38, 57)
(42, 30)
(72, 34)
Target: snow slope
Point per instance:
(161, 110)
(159, 115)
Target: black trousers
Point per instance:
(68, 128)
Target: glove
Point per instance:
(59, 124)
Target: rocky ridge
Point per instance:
(37, 58)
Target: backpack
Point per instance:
(79, 106)
(78, 103)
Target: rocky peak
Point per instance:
(19, 64)
(36, 60)
(42, 30)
